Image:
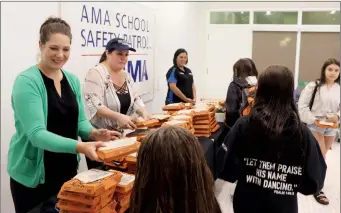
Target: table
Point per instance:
(209, 146)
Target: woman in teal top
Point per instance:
(49, 118)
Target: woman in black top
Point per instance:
(271, 154)
(180, 81)
(64, 118)
(112, 101)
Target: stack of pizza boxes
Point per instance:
(184, 115)
(123, 191)
(175, 107)
(114, 154)
(91, 191)
(182, 118)
(204, 121)
(131, 163)
(150, 123)
(161, 118)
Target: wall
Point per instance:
(211, 87)
(179, 31)
(19, 45)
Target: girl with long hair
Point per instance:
(271, 154)
(172, 175)
(320, 101)
(244, 75)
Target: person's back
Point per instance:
(172, 175)
(271, 154)
(245, 76)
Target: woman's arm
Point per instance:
(194, 92)
(232, 104)
(27, 104)
(303, 104)
(178, 92)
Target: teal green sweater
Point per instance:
(26, 151)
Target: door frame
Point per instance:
(299, 27)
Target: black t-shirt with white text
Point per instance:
(269, 174)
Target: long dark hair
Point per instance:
(322, 80)
(177, 53)
(274, 108)
(244, 67)
(172, 175)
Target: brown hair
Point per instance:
(172, 175)
(54, 25)
(244, 67)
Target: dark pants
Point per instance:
(92, 164)
(25, 199)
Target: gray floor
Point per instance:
(307, 204)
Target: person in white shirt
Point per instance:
(320, 100)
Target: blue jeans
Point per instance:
(323, 131)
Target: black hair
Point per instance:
(322, 80)
(244, 67)
(177, 53)
(274, 108)
(254, 71)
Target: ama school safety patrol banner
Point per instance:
(93, 24)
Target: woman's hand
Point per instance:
(146, 116)
(89, 149)
(188, 100)
(194, 100)
(104, 135)
(333, 119)
(125, 121)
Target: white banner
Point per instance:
(93, 24)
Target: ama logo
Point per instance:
(138, 71)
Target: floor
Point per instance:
(307, 204)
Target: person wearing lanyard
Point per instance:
(112, 100)
(180, 81)
(49, 118)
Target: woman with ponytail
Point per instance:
(111, 98)
(49, 117)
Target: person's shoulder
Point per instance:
(171, 69)
(242, 122)
(29, 75)
(70, 75)
(30, 72)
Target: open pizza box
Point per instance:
(174, 106)
(117, 149)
